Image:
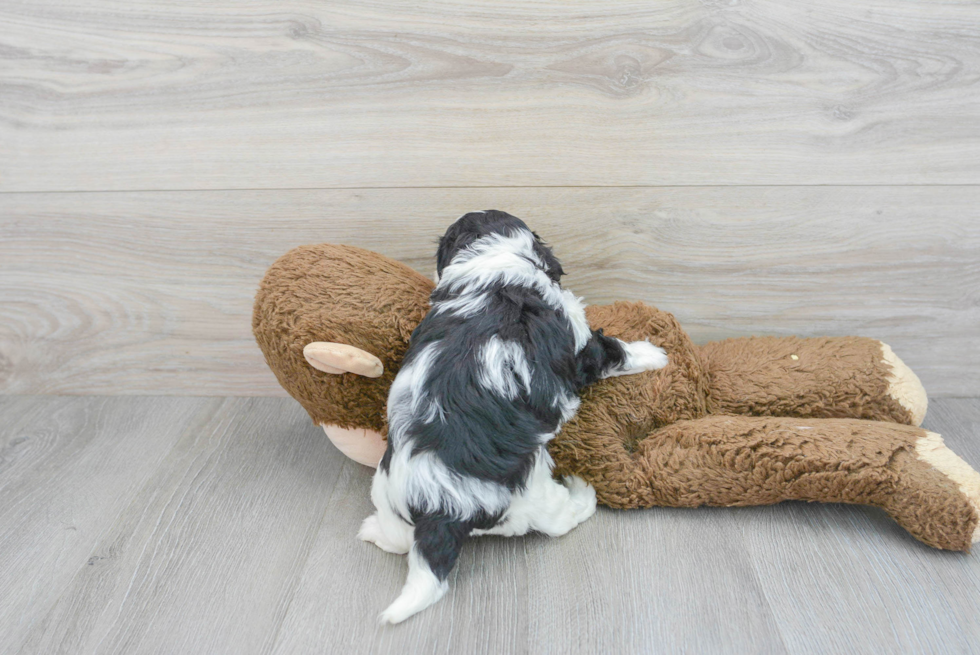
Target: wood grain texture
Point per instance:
(206, 556)
(240, 539)
(152, 292)
(114, 95)
(639, 581)
(69, 467)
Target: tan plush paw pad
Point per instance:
(932, 450)
(904, 386)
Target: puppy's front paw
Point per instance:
(644, 356)
(641, 356)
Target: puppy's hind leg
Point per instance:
(387, 532)
(438, 541)
(385, 528)
(546, 505)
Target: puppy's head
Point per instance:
(471, 227)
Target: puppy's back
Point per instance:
(484, 392)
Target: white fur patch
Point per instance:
(393, 536)
(546, 505)
(505, 369)
(499, 258)
(569, 407)
(407, 395)
(492, 258)
(574, 308)
(640, 356)
(424, 482)
(435, 411)
(464, 305)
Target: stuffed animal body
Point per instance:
(747, 421)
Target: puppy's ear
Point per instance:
(553, 266)
(444, 254)
(459, 235)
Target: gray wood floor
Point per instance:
(226, 525)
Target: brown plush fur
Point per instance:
(737, 422)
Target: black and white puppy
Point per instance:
(491, 374)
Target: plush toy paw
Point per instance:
(932, 450)
(904, 386)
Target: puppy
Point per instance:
(490, 376)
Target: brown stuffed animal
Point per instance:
(738, 422)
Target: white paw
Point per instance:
(641, 356)
(644, 356)
(582, 496)
(574, 484)
(371, 532)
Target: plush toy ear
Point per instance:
(340, 358)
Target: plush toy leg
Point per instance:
(839, 377)
(931, 453)
(735, 460)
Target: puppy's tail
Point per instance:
(438, 541)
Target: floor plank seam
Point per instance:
(491, 186)
(310, 542)
(762, 587)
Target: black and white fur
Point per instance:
(491, 374)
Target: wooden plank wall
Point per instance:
(753, 167)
